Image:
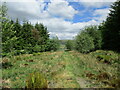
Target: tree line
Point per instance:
(22, 38)
(19, 38)
(105, 36)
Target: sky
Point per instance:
(63, 18)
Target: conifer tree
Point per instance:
(8, 38)
(43, 33)
(111, 32)
(26, 33)
(17, 28)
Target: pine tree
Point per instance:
(111, 32)
(26, 33)
(8, 38)
(17, 28)
(43, 33)
(3, 10)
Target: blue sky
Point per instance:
(87, 14)
(63, 18)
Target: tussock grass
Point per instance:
(62, 70)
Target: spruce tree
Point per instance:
(43, 34)
(17, 28)
(26, 33)
(8, 38)
(111, 30)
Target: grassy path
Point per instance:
(61, 69)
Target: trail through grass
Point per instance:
(61, 69)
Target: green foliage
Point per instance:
(6, 63)
(89, 39)
(17, 28)
(105, 59)
(35, 54)
(43, 33)
(36, 80)
(26, 33)
(8, 38)
(108, 57)
(111, 29)
(39, 48)
(52, 44)
(62, 69)
(3, 10)
(18, 52)
(35, 36)
(36, 48)
(17, 37)
(69, 44)
(95, 33)
(84, 43)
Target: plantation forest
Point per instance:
(31, 59)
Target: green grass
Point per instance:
(61, 69)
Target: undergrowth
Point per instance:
(62, 68)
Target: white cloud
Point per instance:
(101, 13)
(35, 9)
(96, 3)
(97, 0)
(24, 10)
(104, 11)
(65, 35)
(60, 0)
(64, 29)
(19, 0)
(62, 9)
(34, 12)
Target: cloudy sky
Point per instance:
(63, 18)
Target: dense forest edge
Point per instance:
(93, 56)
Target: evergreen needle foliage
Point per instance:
(25, 37)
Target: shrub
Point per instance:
(36, 80)
(93, 32)
(3, 54)
(38, 48)
(84, 43)
(69, 45)
(18, 52)
(28, 48)
(52, 44)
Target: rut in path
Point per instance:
(67, 78)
